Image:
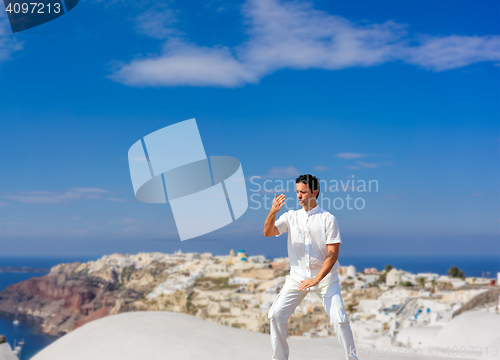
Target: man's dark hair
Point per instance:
(310, 180)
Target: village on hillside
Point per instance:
(387, 307)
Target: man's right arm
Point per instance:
(269, 228)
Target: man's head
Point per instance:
(307, 189)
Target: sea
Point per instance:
(27, 330)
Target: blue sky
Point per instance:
(406, 94)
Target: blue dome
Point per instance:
(243, 259)
(241, 251)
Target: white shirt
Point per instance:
(308, 234)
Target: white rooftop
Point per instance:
(160, 335)
(6, 352)
(472, 330)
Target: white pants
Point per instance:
(285, 305)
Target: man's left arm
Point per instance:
(331, 259)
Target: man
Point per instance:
(313, 249)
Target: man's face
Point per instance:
(305, 195)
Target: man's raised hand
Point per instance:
(278, 203)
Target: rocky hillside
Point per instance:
(71, 295)
(76, 293)
(237, 295)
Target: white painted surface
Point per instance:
(165, 335)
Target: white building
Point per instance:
(428, 276)
(258, 259)
(193, 256)
(241, 280)
(371, 279)
(271, 293)
(455, 282)
(407, 276)
(347, 271)
(218, 270)
(393, 277)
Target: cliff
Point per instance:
(72, 295)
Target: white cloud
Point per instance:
(47, 232)
(453, 52)
(320, 168)
(89, 190)
(367, 165)
(349, 156)
(281, 173)
(294, 35)
(8, 42)
(54, 197)
(184, 64)
(125, 221)
(157, 23)
(115, 199)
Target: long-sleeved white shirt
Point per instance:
(308, 234)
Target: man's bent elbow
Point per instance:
(269, 233)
